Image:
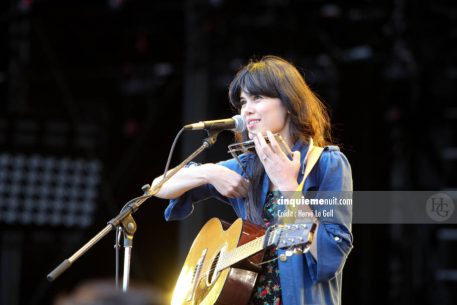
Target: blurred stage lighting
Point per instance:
(44, 190)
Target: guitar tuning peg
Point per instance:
(298, 251)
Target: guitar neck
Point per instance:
(240, 253)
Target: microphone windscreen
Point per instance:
(240, 123)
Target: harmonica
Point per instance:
(245, 146)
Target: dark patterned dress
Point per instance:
(267, 290)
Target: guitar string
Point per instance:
(256, 264)
(234, 253)
(236, 250)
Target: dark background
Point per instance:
(111, 82)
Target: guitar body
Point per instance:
(199, 284)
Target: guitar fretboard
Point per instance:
(238, 254)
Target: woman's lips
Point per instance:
(252, 123)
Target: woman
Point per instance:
(273, 98)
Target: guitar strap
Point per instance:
(312, 156)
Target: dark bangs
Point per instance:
(256, 79)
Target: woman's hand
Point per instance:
(227, 182)
(283, 173)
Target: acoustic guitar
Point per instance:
(223, 262)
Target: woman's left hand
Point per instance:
(282, 171)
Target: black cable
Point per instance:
(171, 152)
(146, 196)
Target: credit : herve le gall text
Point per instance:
(306, 214)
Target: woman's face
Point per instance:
(263, 113)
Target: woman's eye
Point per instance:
(257, 97)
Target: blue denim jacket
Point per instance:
(303, 279)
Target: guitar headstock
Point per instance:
(284, 236)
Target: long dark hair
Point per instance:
(275, 77)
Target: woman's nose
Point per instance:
(247, 109)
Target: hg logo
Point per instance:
(440, 207)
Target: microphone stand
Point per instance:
(125, 222)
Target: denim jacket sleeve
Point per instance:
(180, 208)
(334, 238)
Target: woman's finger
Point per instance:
(264, 146)
(274, 146)
(244, 187)
(259, 150)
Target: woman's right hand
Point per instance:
(226, 181)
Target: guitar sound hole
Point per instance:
(212, 274)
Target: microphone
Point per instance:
(236, 123)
